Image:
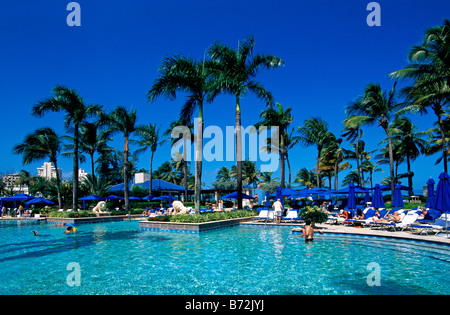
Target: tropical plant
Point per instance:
(182, 74)
(235, 73)
(282, 119)
(123, 121)
(42, 144)
(149, 138)
(378, 107)
(76, 111)
(185, 131)
(429, 68)
(313, 215)
(315, 132)
(410, 142)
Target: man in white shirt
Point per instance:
(278, 210)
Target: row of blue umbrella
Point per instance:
(168, 198)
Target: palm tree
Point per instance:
(351, 132)
(411, 142)
(282, 119)
(235, 73)
(430, 69)
(123, 121)
(42, 144)
(149, 138)
(180, 126)
(315, 132)
(93, 139)
(76, 111)
(369, 167)
(181, 74)
(223, 174)
(305, 178)
(378, 107)
(250, 174)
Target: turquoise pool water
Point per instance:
(119, 258)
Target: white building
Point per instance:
(11, 181)
(81, 174)
(140, 178)
(48, 171)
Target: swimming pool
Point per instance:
(119, 258)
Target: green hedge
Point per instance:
(205, 217)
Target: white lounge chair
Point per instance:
(263, 215)
(406, 219)
(291, 215)
(441, 223)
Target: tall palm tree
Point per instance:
(235, 73)
(429, 69)
(410, 142)
(378, 107)
(180, 126)
(186, 75)
(352, 132)
(76, 111)
(315, 132)
(282, 119)
(93, 139)
(149, 138)
(123, 121)
(42, 144)
(223, 174)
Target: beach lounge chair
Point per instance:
(263, 215)
(368, 213)
(435, 228)
(406, 220)
(291, 215)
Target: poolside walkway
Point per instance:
(367, 231)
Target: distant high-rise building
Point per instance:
(48, 171)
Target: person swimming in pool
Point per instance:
(307, 232)
(70, 229)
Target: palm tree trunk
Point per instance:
(444, 143)
(391, 160)
(126, 192)
(198, 159)
(357, 158)
(94, 182)
(58, 185)
(185, 170)
(238, 153)
(317, 166)
(151, 174)
(282, 159)
(289, 168)
(75, 168)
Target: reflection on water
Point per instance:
(118, 258)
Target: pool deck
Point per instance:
(366, 231)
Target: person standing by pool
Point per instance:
(278, 210)
(307, 232)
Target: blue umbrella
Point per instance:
(397, 200)
(377, 198)
(90, 197)
(280, 195)
(367, 196)
(149, 197)
(114, 197)
(430, 200)
(134, 198)
(38, 200)
(267, 204)
(442, 201)
(351, 203)
(234, 195)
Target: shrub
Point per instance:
(313, 215)
(206, 217)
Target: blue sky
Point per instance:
(330, 55)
